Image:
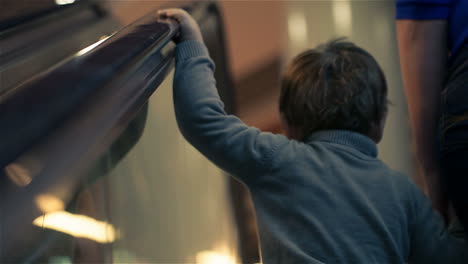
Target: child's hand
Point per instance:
(189, 29)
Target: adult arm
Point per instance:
(423, 58)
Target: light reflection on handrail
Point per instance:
(64, 2)
(78, 226)
(90, 47)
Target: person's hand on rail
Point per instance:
(189, 29)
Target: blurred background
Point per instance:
(163, 201)
(263, 36)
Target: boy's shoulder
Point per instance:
(357, 160)
(328, 147)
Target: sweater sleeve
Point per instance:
(431, 242)
(224, 139)
(423, 9)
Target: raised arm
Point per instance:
(224, 139)
(423, 58)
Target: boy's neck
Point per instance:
(358, 141)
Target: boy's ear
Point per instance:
(291, 132)
(377, 129)
(285, 126)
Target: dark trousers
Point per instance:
(453, 132)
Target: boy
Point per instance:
(321, 196)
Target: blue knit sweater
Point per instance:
(326, 200)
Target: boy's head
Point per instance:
(337, 85)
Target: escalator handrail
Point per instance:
(61, 122)
(46, 100)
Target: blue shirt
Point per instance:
(454, 11)
(326, 200)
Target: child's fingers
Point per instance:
(177, 14)
(188, 27)
(175, 11)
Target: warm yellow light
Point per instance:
(92, 46)
(297, 28)
(342, 16)
(213, 257)
(64, 2)
(48, 203)
(18, 174)
(78, 226)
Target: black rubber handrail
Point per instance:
(48, 99)
(57, 124)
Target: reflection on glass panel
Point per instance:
(150, 198)
(79, 233)
(169, 204)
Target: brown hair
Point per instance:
(337, 85)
